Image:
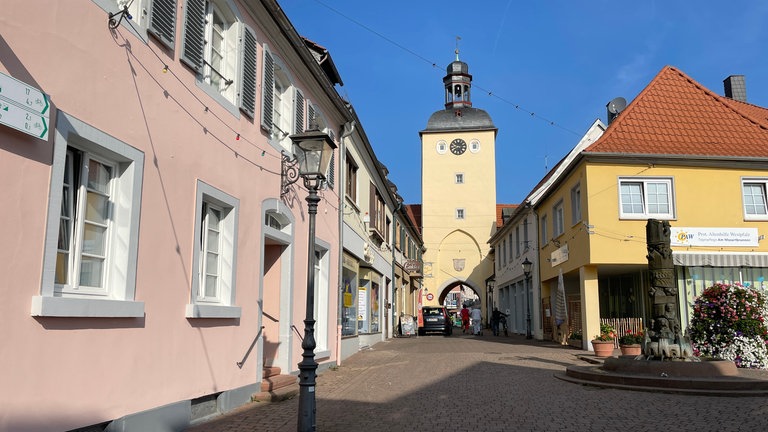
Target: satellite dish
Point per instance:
(617, 105)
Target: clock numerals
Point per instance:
(458, 146)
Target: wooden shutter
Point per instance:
(162, 21)
(193, 41)
(248, 72)
(267, 90)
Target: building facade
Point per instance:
(703, 169)
(156, 245)
(458, 209)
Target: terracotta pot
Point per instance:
(603, 348)
(631, 350)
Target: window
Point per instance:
(504, 251)
(459, 178)
(459, 213)
(641, 198)
(754, 196)
(283, 105)
(576, 204)
(558, 224)
(543, 226)
(350, 175)
(377, 212)
(517, 241)
(89, 264)
(213, 282)
(511, 243)
(525, 235)
(222, 51)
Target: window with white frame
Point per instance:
(459, 213)
(504, 251)
(510, 245)
(517, 241)
(459, 178)
(543, 226)
(213, 281)
(754, 196)
(558, 223)
(576, 204)
(222, 51)
(89, 264)
(642, 198)
(283, 104)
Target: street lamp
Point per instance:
(313, 150)
(527, 265)
(490, 283)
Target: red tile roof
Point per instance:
(499, 208)
(414, 214)
(675, 115)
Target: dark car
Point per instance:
(436, 319)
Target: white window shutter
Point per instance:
(193, 40)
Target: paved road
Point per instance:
(469, 383)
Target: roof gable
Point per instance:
(675, 115)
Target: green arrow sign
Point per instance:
(19, 93)
(23, 120)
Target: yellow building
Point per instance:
(681, 153)
(458, 211)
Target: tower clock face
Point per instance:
(458, 146)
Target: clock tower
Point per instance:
(458, 189)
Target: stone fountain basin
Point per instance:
(671, 369)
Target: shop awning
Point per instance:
(720, 259)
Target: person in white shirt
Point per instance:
(477, 318)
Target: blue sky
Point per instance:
(550, 67)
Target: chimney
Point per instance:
(735, 88)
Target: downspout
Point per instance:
(394, 263)
(348, 127)
(536, 260)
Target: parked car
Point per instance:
(436, 319)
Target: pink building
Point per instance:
(153, 263)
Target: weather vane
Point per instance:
(458, 38)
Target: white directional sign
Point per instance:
(23, 107)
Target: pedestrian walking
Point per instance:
(477, 321)
(495, 319)
(464, 319)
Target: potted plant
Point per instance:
(574, 339)
(630, 343)
(603, 343)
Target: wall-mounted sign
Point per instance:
(692, 236)
(23, 107)
(559, 255)
(412, 266)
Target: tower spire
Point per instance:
(458, 38)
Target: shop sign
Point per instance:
(692, 236)
(412, 266)
(559, 255)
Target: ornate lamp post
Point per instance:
(527, 265)
(313, 150)
(490, 283)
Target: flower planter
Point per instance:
(631, 350)
(603, 348)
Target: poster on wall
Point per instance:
(362, 303)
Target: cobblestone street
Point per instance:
(488, 383)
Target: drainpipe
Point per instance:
(348, 128)
(394, 263)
